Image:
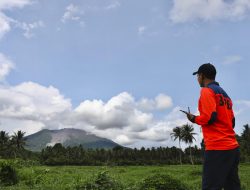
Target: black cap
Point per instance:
(208, 70)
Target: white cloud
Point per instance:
(9, 4)
(232, 59)
(208, 10)
(146, 104)
(75, 12)
(12, 125)
(155, 130)
(32, 102)
(113, 5)
(141, 30)
(5, 21)
(72, 12)
(5, 66)
(241, 112)
(243, 102)
(29, 27)
(160, 131)
(4, 25)
(119, 112)
(161, 102)
(241, 106)
(123, 140)
(30, 107)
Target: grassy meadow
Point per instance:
(72, 177)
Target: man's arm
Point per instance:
(208, 114)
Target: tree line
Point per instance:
(59, 155)
(13, 147)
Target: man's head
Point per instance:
(205, 74)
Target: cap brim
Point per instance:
(195, 73)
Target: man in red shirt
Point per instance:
(221, 159)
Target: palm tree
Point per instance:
(177, 134)
(18, 139)
(4, 138)
(188, 137)
(17, 142)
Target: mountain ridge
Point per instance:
(67, 137)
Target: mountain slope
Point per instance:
(67, 137)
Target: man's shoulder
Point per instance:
(215, 87)
(218, 90)
(206, 90)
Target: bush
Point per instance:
(8, 174)
(102, 181)
(161, 182)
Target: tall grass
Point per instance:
(70, 177)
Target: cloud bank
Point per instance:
(120, 118)
(208, 10)
(31, 107)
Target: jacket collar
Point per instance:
(214, 82)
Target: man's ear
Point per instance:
(202, 76)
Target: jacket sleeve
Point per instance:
(207, 108)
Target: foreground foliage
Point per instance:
(8, 174)
(32, 176)
(102, 181)
(162, 181)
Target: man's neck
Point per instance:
(208, 81)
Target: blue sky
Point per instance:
(120, 69)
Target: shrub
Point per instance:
(8, 174)
(161, 182)
(102, 181)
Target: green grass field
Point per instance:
(67, 177)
